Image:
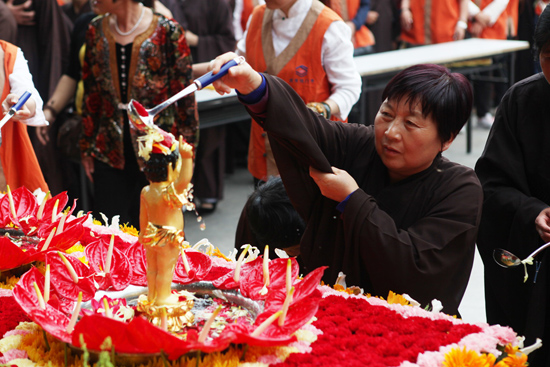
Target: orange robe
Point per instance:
(303, 71)
(16, 152)
(497, 30)
(434, 21)
(363, 37)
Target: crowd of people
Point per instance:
(374, 199)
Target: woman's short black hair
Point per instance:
(272, 218)
(541, 37)
(446, 96)
(156, 168)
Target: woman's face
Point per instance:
(544, 57)
(406, 142)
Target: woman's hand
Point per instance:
(241, 77)
(42, 134)
(406, 19)
(25, 112)
(542, 224)
(336, 185)
(88, 164)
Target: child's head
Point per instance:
(157, 166)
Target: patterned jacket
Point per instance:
(160, 67)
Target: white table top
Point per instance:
(208, 94)
(441, 53)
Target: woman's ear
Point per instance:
(447, 144)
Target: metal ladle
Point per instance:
(506, 259)
(136, 110)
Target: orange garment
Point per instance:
(363, 37)
(434, 21)
(304, 72)
(512, 14)
(16, 152)
(248, 6)
(497, 30)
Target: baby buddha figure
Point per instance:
(169, 169)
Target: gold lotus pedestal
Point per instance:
(176, 316)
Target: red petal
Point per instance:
(24, 292)
(120, 276)
(253, 277)
(298, 314)
(217, 272)
(139, 336)
(25, 205)
(46, 219)
(240, 334)
(199, 266)
(62, 281)
(308, 285)
(209, 346)
(11, 256)
(53, 321)
(138, 264)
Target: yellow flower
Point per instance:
(128, 229)
(97, 222)
(514, 360)
(218, 253)
(510, 350)
(467, 358)
(9, 283)
(76, 248)
(394, 298)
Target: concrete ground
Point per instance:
(219, 227)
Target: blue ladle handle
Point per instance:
(209, 78)
(22, 100)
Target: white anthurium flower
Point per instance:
(253, 253)
(437, 306)
(232, 255)
(281, 253)
(341, 280)
(531, 348)
(39, 194)
(209, 248)
(114, 221)
(411, 300)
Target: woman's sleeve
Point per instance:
(187, 121)
(431, 256)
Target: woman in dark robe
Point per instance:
(515, 173)
(380, 202)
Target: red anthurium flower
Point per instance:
(25, 206)
(120, 272)
(53, 321)
(199, 265)
(302, 289)
(208, 346)
(252, 281)
(63, 281)
(138, 336)
(45, 225)
(217, 272)
(227, 281)
(49, 206)
(11, 256)
(122, 240)
(299, 313)
(26, 296)
(241, 334)
(138, 264)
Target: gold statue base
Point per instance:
(177, 316)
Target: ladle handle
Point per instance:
(22, 100)
(535, 253)
(208, 78)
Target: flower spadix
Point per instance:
(74, 316)
(185, 262)
(69, 267)
(286, 305)
(206, 329)
(47, 284)
(39, 296)
(109, 255)
(49, 239)
(239, 264)
(54, 210)
(264, 325)
(265, 266)
(12, 204)
(40, 213)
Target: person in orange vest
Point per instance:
(241, 14)
(488, 19)
(354, 13)
(309, 46)
(19, 164)
(425, 22)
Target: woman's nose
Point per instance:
(393, 130)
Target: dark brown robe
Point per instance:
(416, 236)
(515, 173)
